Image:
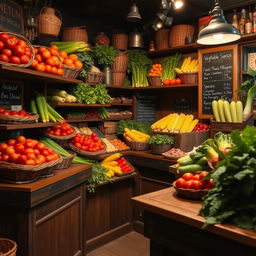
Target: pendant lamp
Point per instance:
(218, 31)
(134, 15)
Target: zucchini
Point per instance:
(215, 110)
(202, 161)
(196, 156)
(190, 168)
(226, 109)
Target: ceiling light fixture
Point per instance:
(218, 31)
(178, 4)
(157, 25)
(134, 15)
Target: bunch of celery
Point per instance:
(169, 64)
(72, 47)
(138, 66)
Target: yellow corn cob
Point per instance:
(112, 158)
(184, 63)
(134, 136)
(178, 70)
(186, 123)
(192, 125)
(172, 122)
(127, 137)
(112, 163)
(185, 68)
(192, 66)
(157, 123)
(127, 130)
(164, 124)
(196, 68)
(141, 134)
(180, 122)
(112, 168)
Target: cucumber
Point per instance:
(226, 109)
(186, 162)
(196, 156)
(215, 110)
(221, 111)
(190, 168)
(202, 161)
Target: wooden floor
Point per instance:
(132, 244)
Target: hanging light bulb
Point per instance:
(157, 25)
(218, 31)
(134, 15)
(178, 4)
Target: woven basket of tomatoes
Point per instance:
(61, 133)
(154, 76)
(17, 117)
(15, 50)
(193, 186)
(24, 160)
(88, 145)
(47, 60)
(71, 64)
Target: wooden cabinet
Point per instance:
(47, 217)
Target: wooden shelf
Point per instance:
(162, 87)
(9, 127)
(76, 105)
(84, 120)
(121, 104)
(29, 74)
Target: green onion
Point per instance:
(82, 160)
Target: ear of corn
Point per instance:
(186, 123)
(189, 65)
(180, 122)
(192, 125)
(112, 158)
(157, 123)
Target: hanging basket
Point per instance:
(7, 247)
(178, 34)
(120, 41)
(28, 44)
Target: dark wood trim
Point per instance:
(77, 105)
(156, 181)
(108, 236)
(138, 226)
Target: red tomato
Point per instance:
(41, 158)
(46, 54)
(30, 162)
(166, 82)
(53, 52)
(180, 183)
(4, 58)
(13, 113)
(18, 50)
(7, 52)
(48, 69)
(38, 57)
(41, 49)
(78, 145)
(31, 156)
(14, 157)
(22, 43)
(36, 151)
(50, 62)
(3, 37)
(178, 81)
(14, 60)
(40, 67)
(196, 177)
(34, 64)
(3, 147)
(29, 144)
(21, 139)
(49, 158)
(172, 81)
(202, 175)
(11, 142)
(45, 152)
(187, 176)
(40, 146)
(1, 45)
(188, 184)
(28, 52)
(9, 150)
(19, 148)
(22, 159)
(60, 72)
(28, 150)
(5, 158)
(196, 184)
(10, 42)
(24, 59)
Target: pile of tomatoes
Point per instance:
(70, 60)
(172, 81)
(14, 50)
(90, 143)
(122, 163)
(26, 151)
(14, 113)
(63, 129)
(194, 181)
(156, 70)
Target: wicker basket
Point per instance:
(120, 63)
(94, 77)
(154, 81)
(48, 23)
(20, 174)
(75, 34)
(189, 78)
(71, 72)
(126, 173)
(191, 193)
(118, 78)
(66, 162)
(30, 47)
(161, 39)
(137, 146)
(61, 140)
(120, 41)
(4, 119)
(159, 149)
(7, 247)
(90, 155)
(178, 34)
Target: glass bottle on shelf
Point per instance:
(242, 22)
(254, 19)
(248, 23)
(234, 19)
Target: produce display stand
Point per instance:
(165, 213)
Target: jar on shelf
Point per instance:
(102, 39)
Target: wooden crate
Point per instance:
(227, 127)
(108, 127)
(188, 140)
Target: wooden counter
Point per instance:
(46, 217)
(173, 225)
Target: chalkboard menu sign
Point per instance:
(217, 78)
(10, 93)
(145, 111)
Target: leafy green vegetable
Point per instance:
(169, 64)
(87, 61)
(138, 66)
(233, 198)
(98, 176)
(104, 55)
(132, 124)
(91, 94)
(161, 139)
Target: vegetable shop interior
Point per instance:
(127, 127)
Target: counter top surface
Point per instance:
(166, 203)
(43, 182)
